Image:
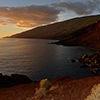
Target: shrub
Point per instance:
(45, 83)
(54, 88)
(95, 93)
(41, 92)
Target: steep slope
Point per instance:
(88, 36)
(58, 30)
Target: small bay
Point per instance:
(38, 59)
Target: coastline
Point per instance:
(20, 87)
(71, 43)
(77, 89)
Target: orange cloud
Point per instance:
(2, 22)
(28, 16)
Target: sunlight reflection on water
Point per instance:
(37, 59)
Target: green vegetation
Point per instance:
(58, 30)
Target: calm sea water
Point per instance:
(38, 59)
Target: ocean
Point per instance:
(38, 59)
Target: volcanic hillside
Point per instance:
(58, 30)
(88, 36)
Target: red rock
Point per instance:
(93, 70)
(83, 66)
(69, 89)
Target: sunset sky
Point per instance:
(21, 15)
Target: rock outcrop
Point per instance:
(14, 79)
(93, 60)
(83, 66)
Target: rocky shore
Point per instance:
(92, 61)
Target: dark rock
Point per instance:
(85, 56)
(57, 78)
(93, 70)
(91, 56)
(65, 77)
(73, 60)
(92, 64)
(83, 66)
(93, 60)
(14, 79)
(80, 60)
(86, 60)
(95, 66)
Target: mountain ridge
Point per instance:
(58, 30)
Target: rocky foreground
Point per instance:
(68, 89)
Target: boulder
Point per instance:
(80, 59)
(83, 66)
(73, 60)
(86, 60)
(93, 70)
(85, 56)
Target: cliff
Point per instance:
(88, 36)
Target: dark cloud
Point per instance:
(34, 15)
(28, 16)
(80, 8)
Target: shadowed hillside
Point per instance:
(58, 30)
(88, 36)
